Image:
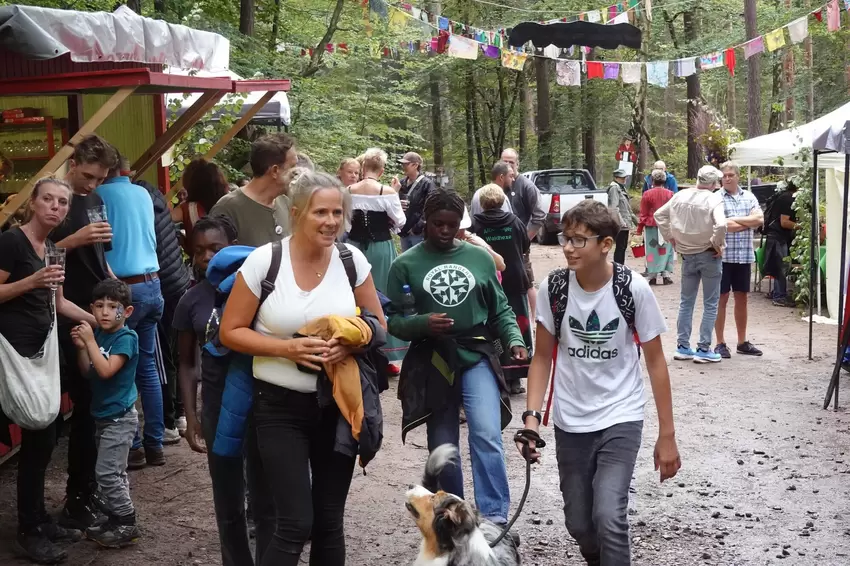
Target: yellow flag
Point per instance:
(513, 60)
(775, 39)
(397, 19)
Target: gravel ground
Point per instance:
(762, 481)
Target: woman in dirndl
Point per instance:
(660, 256)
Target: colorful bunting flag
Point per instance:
(753, 47)
(833, 16)
(711, 61)
(513, 60)
(818, 15)
(398, 19)
(631, 72)
(620, 19)
(731, 60)
(611, 71)
(491, 51)
(595, 70)
(658, 73)
(462, 48)
(552, 52)
(568, 73)
(798, 30)
(443, 23)
(775, 39)
(686, 67)
(593, 16)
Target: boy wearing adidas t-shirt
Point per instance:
(595, 311)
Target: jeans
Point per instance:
(695, 268)
(622, 242)
(595, 469)
(481, 401)
(33, 459)
(147, 310)
(114, 439)
(295, 437)
(167, 347)
(411, 240)
(228, 477)
(82, 449)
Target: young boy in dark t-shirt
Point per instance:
(108, 356)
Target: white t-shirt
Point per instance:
(288, 308)
(598, 380)
(476, 204)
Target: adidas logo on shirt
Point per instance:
(593, 336)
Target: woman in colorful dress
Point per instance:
(660, 256)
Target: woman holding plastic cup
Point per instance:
(27, 321)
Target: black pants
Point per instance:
(33, 459)
(295, 438)
(228, 477)
(172, 407)
(82, 449)
(622, 243)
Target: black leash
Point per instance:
(523, 436)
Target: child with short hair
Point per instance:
(109, 356)
(594, 312)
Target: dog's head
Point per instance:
(442, 518)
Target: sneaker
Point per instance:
(748, 349)
(58, 533)
(723, 350)
(37, 548)
(80, 513)
(706, 356)
(181, 425)
(154, 456)
(136, 460)
(683, 353)
(118, 536)
(785, 302)
(653, 281)
(666, 281)
(393, 370)
(171, 436)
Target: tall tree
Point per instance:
(544, 114)
(436, 104)
(246, 17)
(753, 73)
(695, 112)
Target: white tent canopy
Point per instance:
(764, 151)
(275, 109)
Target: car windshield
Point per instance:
(561, 182)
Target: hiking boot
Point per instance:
(653, 281)
(118, 536)
(683, 353)
(136, 460)
(666, 281)
(171, 436)
(37, 548)
(785, 302)
(181, 425)
(516, 387)
(748, 349)
(80, 513)
(723, 350)
(154, 456)
(58, 533)
(706, 356)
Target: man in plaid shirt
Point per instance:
(743, 216)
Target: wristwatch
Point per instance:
(535, 414)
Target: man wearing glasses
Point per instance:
(260, 210)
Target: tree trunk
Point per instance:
(523, 115)
(470, 129)
(788, 65)
(753, 73)
(640, 122)
(588, 124)
(573, 132)
(159, 8)
(776, 106)
(246, 17)
(275, 27)
(436, 117)
(135, 5)
(479, 150)
(544, 114)
(695, 158)
(810, 75)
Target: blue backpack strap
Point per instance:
(559, 287)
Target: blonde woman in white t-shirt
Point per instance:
(294, 435)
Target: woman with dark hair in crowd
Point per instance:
(205, 184)
(27, 321)
(297, 437)
(458, 300)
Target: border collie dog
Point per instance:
(453, 533)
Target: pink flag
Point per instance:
(753, 47)
(833, 16)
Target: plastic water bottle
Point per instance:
(408, 302)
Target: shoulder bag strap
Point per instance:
(348, 261)
(271, 276)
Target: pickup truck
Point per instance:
(560, 190)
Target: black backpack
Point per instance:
(559, 287)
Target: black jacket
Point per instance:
(415, 223)
(508, 237)
(373, 381)
(174, 274)
(423, 389)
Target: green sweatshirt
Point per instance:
(460, 282)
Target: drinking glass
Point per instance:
(98, 214)
(56, 256)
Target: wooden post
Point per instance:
(66, 151)
(225, 139)
(183, 124)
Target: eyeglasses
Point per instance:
(577, 242)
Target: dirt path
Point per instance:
(764, 478)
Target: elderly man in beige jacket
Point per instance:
(694, 220)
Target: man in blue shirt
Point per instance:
(670, 183)
(134, 261)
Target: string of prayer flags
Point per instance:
(731, 60)
(443, 23)
(753, 47)
(686, 67)
(658, 73)
(593, 16)
(595, 70)
(775, 39)
(491, 51)
(621, 18)
(611, 71)
(711, 61)
(847, 5)
(462, 48)
(631, 72)
(552, 52)
(833, 16)
(568, 73)
(513, 60)
(798, 30)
